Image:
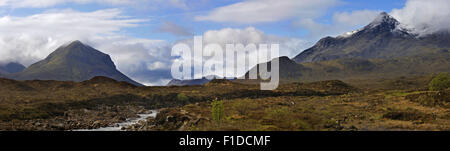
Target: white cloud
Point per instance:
(31, 38)
(132, 55)
(146, 61)
(230, 35)
(250, 35)
(425, 16)
(157, 65)
(258, 11)
(342, 22)
(355, 18)
(49, 3)
(28, 39)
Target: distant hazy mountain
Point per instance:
(384, 38)
(204, 80)
(73, 62)
(176, 82)
(11, 68)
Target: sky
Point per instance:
(139, 34)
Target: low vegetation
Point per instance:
(217, 111)
(382, 107)
(440, 82)
(403, 103)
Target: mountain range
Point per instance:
(383, 38)
(202, 81)
(382, 49)
(73, 62)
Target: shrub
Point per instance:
(182, 97)
(440, 82)
(427, 100)
(244, 106)
(217, 110)
(431, 99)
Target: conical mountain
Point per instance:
(73, 62)
(384, 38)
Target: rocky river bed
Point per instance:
(168, 119)
(129, 122)
(99, 118)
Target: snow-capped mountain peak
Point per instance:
(383, 23)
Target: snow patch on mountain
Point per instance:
(349, 34)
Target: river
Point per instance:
(128, 122)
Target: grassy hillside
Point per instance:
(378, 104)
(391, 104)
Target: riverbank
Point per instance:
(129, 122)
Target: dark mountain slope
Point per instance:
(288, 69)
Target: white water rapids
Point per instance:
(128, 122)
